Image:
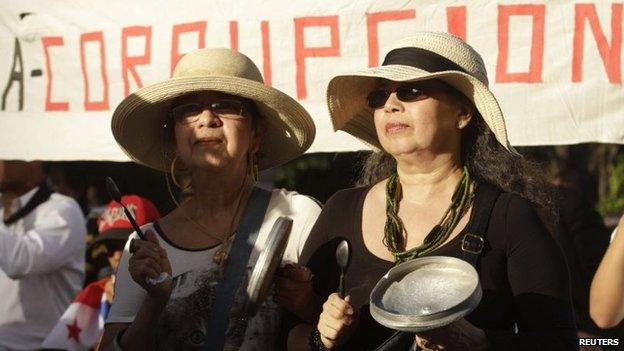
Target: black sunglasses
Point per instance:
(189, 113)
(407, 93)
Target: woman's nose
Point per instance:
(393, 104)
(209, 119)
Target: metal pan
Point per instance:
(268, 262)
(425, 293)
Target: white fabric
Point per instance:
(41, 270)
(195, 276)
(555, 66)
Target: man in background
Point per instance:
(42, 249)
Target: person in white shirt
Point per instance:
(42, 249)
(212, 127)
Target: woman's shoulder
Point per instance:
(515, 206)
(506, 202)
(515, 219)
(348, 196)
(293, 199)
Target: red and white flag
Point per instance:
(82, 324)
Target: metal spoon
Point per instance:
(343, 257)
(115, 194)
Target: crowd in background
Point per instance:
(582, 233)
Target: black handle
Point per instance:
(115, 194)
(341, 285)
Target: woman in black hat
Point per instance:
(443, 164)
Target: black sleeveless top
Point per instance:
(526, 294)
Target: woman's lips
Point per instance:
(395, 127)
(208, 141)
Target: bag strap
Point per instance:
(41, 195)
(474, 239)
(235, 268)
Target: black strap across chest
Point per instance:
(474, 239)
(41, 195)
(235, 270)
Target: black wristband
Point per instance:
(315, 342)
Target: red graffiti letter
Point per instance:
(128, 63)
(266, 53)
(49, 104)
(610, 54)
(179, 29)
(302, 52)
(372, 24)
(89, 105)
(537, 43)
(234, 35)
(456, 21)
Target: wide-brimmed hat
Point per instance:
(138, 121)
(113, 224)
(427, 55)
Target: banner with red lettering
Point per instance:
(554, 65)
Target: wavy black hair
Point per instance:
(487, 161)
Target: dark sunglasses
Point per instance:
(407, 93)
(189, 113)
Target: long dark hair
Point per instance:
(487, 161)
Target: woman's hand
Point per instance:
(460, 335)
(149, 260)
(293, 289)
(337, 321)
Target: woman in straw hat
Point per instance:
(443, 157)
(211, 127)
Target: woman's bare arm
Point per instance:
(141, 334)
(606, 297)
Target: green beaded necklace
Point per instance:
(393, 230)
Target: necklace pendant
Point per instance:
(220, 257)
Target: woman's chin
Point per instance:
(398, 148)
(210, 164)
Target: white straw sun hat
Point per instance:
(426, 55)
(138, 121)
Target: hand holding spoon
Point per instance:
(115, 194)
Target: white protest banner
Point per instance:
(554, 65)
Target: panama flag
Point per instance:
(82, 324)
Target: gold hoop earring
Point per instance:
(252, 166)
(173, 176)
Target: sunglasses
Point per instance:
(189, 113)
(376, 99)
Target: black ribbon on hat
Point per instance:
(422, 59)
(41, 195)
